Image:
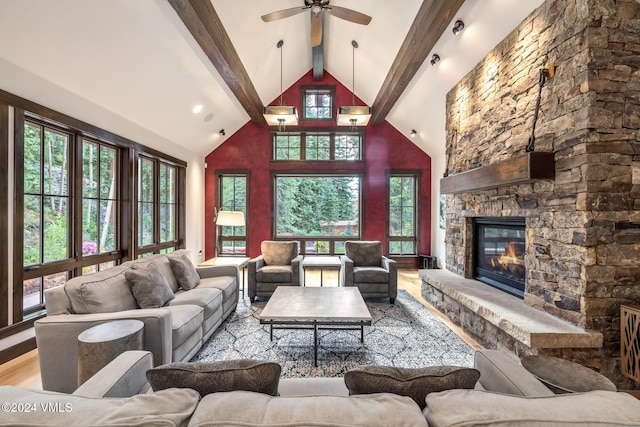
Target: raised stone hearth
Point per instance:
(582, 255)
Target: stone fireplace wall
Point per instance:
(583, 228)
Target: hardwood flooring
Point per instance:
(24, 371)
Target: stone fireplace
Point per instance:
(577, 186)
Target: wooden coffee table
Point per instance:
(316, 308)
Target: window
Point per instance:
(46, 212)
(232, 195)
(317, 102)
(403, 196)
(317, 146)
(157, 206)
(322, 211)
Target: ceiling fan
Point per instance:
(316, 7)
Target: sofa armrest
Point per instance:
(346, 271)
(502, 372)
(124, 376)
(392, 267)
(219, 271)
(255, 264)
(57, 341)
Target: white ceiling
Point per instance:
(136, 59)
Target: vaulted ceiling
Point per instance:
(151, 61)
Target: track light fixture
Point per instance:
(435, 59)
(458, 26)
(222, 132)
(413, 133)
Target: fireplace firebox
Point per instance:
(498, 253)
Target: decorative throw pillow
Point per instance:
(184, 271)
(415, 383)
(149, 287)
(225, 375)
(364, 253)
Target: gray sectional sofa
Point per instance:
(173, 332)
(505, 395)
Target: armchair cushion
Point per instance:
(184, 272)
(370, 275)
(365, 253)
(278, 253)
(149, 287)
(412, 382)
(274, 274)
(226, 375)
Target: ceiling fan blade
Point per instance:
(349, 15)
(316, 29)
(285, 13)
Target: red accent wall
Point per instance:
(384, 149)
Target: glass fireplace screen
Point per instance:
(499, 248)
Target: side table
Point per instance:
(322, 263)
(563, 376)
(100, 344)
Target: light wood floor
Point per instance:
(24, 371)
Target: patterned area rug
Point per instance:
(404, 334)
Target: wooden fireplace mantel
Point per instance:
(522, 169)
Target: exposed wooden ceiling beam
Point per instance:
(431, 21)
(203, 23)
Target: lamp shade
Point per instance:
(230, 218)
(280, 115)
(354, 115)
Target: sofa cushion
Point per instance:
(482, 408)
(162, 263)
(413, 382)
(278, 253)
(247, 409)
(274, 274)
(209, 299)
(364, 253)
(226, 375)
(106, 291)
(167, 408)
(184, 272)
(149, 286)
(185, 321)
(225, 284)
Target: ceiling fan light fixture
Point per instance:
(280, 115)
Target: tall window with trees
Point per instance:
(100, 203)
(47, 230)
(232, 195)
(158, 206)
(322, 211)
(403, 214)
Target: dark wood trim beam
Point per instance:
(4, 207)
(432, 20)
(522, 169)
(202, 21)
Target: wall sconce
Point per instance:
(458, 26)
(413, 133)
(435, 59)
(222, 132)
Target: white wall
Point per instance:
(437, 234)
(25, 84)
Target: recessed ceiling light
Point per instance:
(197, 109)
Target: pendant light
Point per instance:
(280, 115)
(354, 115)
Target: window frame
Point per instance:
(333, 134)
(219, 177)
(416, 175)
(305, 90)
(335, 243)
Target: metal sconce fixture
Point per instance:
(458, 26)
(354, 115)
(280, 115)
(435, 59)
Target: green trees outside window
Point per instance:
(317, 146)
(402, 215)
(232, 190)
(318, 103)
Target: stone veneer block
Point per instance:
(532, 327)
